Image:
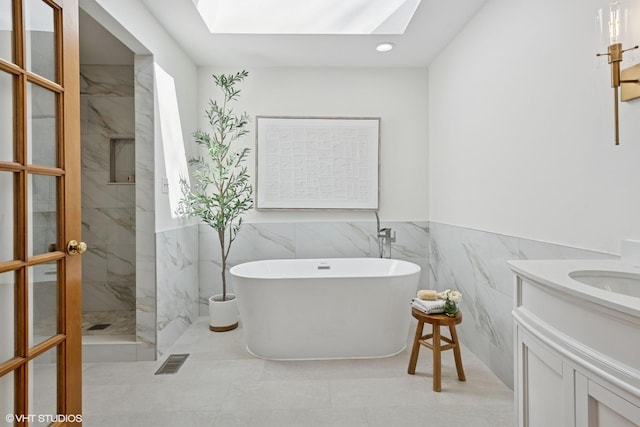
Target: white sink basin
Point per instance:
(613, 281)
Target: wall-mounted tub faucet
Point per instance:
(385, 239)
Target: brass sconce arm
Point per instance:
(614, 53)
(629, 80)
(615, 58)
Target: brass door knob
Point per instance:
(74, 247)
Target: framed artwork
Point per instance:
(317, 162)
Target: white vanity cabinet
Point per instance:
(577, 360)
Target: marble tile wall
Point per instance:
(166, 261)
(307, 240)
(177, 284)
(472, 261)
(146, 325)
(108, 209)
(475, 263)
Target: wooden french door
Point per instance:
(40, 279)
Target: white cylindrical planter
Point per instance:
(223, 315)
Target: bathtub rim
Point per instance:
(415, 269)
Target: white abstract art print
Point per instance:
(317, 163)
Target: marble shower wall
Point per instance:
(108, 209)
(475, 263)
(307, 240)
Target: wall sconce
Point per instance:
(617, 28)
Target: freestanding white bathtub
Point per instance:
(325, 308)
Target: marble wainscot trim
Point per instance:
(177, 284)
(475, 263)
(308, 240)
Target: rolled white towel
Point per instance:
(429, 307)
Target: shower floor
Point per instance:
(114, 341)
(117, 323)
(120, 323)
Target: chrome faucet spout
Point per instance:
(385, 233)
(385, 239)
(380, 248)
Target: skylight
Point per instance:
(306, 17)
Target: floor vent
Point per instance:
(172, 364)
(99, 326)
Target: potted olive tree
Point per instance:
(221, 192)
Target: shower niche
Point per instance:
(122, 161)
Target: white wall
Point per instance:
(398, 96)
(521, 130)
(132, 24)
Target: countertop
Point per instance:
(555, 274)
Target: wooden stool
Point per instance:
(436, 320)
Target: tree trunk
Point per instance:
(224, 264)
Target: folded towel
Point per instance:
(429, 307)
(427, 294)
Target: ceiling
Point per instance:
(433, 26)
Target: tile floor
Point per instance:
(222, 385)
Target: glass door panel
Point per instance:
(43, 383)
(7, 401)
(44, 214)
(6, 30)
(7, 212)
(6, 112)
(43, 297)
(42, 131)
(40, 38)
(7, 318)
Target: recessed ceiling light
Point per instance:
(384, 47)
